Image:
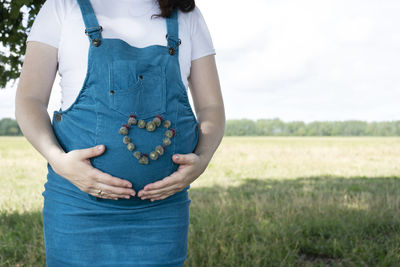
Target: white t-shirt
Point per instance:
(59, 23)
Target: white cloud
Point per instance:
(315, 60)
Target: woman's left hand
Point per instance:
(191, 166)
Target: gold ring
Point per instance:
(99, 193)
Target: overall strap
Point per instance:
(173, 33)
(92, 30)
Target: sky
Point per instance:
(309, 60)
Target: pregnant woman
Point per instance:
(125, 145)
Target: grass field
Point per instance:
(263, 201)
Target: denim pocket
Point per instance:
(137, 88)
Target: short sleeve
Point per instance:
(47, 25)
(202, 44)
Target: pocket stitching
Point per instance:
(113, 70)
(118, 94)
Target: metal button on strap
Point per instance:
(92, 30)
(171, 51)
(96, 42)
(58, 117)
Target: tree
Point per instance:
(16, 18)
(9, 126)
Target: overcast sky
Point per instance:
(299, 60)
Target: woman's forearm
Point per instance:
(209, 106)
(35, 124)
(32, 96)
(212, 128)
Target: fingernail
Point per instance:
(177, 157)
(133, 194)
(99, 147)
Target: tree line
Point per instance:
(277, 127)
(9, 127)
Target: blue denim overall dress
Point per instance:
(123, 83)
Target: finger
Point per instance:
(91, 151)
(112, 191)
(167, 181)
(188, 159)
(104, 192)
(106, 178)
(149, 194)
(163, 196)
(166, 193)
(119, 191)
(103, 195)
(158, 196)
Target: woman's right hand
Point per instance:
(76, 167)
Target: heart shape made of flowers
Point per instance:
(150, 126)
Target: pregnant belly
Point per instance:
(120, 161)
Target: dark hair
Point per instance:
(167, 6)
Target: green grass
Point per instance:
(263, 201)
